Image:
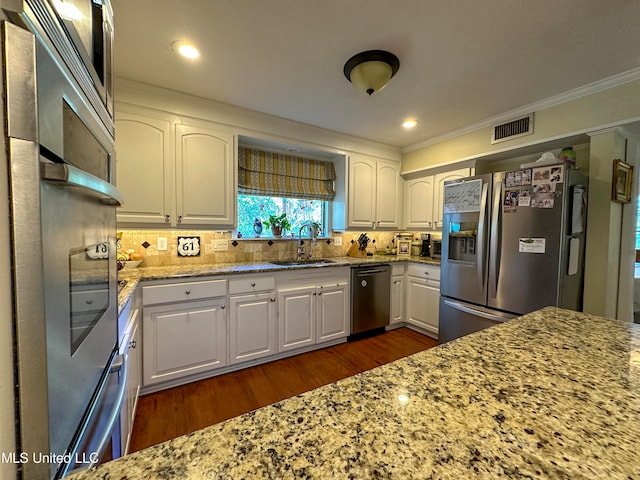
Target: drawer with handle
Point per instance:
(177, 292)
(251, 284)
(430, 272)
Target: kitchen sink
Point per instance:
(309, 261)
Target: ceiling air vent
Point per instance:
(512, 129)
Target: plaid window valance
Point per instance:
(280, 175)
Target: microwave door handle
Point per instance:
(496, 213)
(480, 267)
(74, 177)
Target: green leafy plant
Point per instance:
(316, 229)
(278, 221)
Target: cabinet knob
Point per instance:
(89, 302)
(319, 293)
(133, 344)
(180, 218)
(167, 218)
(273, 299)
(315, 293)
(187, 292)
(223, 306)
(253, 284)
(426, 273)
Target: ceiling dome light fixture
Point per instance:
(186, 49)
(409, 123)
(370, 71)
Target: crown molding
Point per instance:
(585, 90)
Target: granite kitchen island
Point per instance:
(552, 394)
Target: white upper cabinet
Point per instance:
(440, 178)
(374, 193)
(174, 174)
(419, 203)
(143, 169)
(424, 197)
(205, 177)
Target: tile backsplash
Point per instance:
(239, 250)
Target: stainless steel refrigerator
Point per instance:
(512, 242)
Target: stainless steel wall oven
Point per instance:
(61, 154)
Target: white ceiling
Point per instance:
(461, 61)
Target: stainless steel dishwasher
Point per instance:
(370, 297)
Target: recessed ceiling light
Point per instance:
(186, 49)
(409, 123)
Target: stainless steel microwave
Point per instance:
(88, 25)
(436, 247)
(81, 32)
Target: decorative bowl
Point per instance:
(131, 264)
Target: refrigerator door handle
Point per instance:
(480, 267)
(479, 313)
(494, 255)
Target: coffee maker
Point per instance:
(425, 250)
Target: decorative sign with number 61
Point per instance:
(99, 251)
(188, 246)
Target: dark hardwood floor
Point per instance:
(165, 415)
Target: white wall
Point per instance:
(604, 226)
(249, 123)
(614, 106)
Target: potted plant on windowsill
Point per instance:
(278, 224)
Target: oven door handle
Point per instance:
(118, 365)
(74, 177)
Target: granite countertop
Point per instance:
(553, 394)
(135, 275)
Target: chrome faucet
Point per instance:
(301, 249)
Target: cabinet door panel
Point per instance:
(423, 304)
(439, 193)
(205, 177)
(397, 299)
(388, 196)
(419, 204)
(332, 313)
(362, 195)
(143, 168)
(252, 327)
(183, 339)
(295, 318)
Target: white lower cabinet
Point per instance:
(252, 326)
(130, 347)
(398, 282)
(332, 320)
(188, 333)
(296, 318)
(184, 339)
(423, 297)
(310, 315)
(312, 308)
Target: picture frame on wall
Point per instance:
(404, 247)
(622, 181)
